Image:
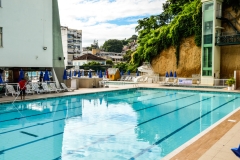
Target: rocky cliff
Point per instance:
(189, 62)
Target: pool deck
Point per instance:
(213, 144)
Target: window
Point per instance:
(1, 39)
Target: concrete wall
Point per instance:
(27, 28)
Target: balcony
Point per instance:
(228, 39)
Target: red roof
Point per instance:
(89, 56)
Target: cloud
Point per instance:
(106, 19)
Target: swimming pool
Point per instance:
(126, 124)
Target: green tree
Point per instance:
(93, 63)
(109, 62)
(113, 45)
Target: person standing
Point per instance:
(22, 86)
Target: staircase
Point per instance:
(225, 38)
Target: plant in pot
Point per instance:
(230, 82)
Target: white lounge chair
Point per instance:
(46, 88)
(29, 90)
(66, 88)
(37, 89)
(11, 90)
(165, 82)
(53, 86)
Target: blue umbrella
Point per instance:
(79, 73)
(166, 74)
(121, 73)
(100, 74)
(171, 74)
(175, 75)
(137, 74)
(1, 81)
(65, 75)
(75, 73)
(46, 76)
(90, 74)
(97, 73)
(70, 74)
(128, 72)
(21, 75)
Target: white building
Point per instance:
(86, 58)
(30, 37)
(72, 44)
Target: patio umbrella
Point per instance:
(65, 75)
(97, 73)
(41, 76)
(1, 81)
(46, 76)
(128, 72)
(166, 74)
(171, 74)
(175, 75)
(90, 74)
(21, 75)
(79, 73)
(75, 73)
(100, 74)
(121, 73)
(137, 74)
(70, 74)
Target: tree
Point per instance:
(113, 45)
(110, 62)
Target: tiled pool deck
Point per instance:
(214, 144)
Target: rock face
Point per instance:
(189, 61)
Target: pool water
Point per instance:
(127, 124)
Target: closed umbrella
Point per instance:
(70, 74)
(171, 74)
(97, 73)
(65, 75)
(175, 75)
(82, 72)
(75, 73)
(90, 74)
(128, 72)
(137, 74)
(79, 73)
(1, 81)
(100, 74)
(21, 75)
(166, 74)
(46, 76)
(122, 73)
(41, 76)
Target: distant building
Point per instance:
(115, 57)
(72, 44)
(86, 58)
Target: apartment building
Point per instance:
(72, 44)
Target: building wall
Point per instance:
(64, 44)
(27, 28)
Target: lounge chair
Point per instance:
(29, 90)
(37, 89)
(11, 90)
(175, 82)
(126, 78)
(53, 86)
(66, 88)
(46, 88)
(165, 82)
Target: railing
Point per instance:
(223, 40)
(220, 82)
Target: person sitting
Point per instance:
(22, 86)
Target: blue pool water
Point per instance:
(128, 124)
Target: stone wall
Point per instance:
(189, 62)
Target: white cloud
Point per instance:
(92, 16)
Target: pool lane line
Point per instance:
(76, 102)
(39, 124)
(17, 118)
(29, 134)
(177, 130)
(101, 139)
(71, 117)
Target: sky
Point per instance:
(106, 19)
